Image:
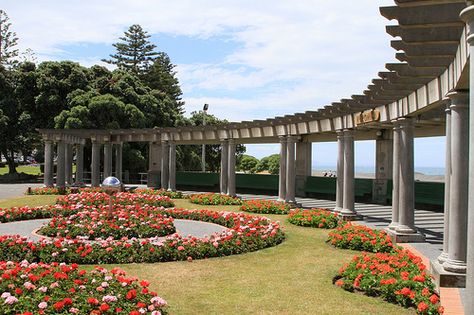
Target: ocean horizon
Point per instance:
(425, 170)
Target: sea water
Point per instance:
(371, 169)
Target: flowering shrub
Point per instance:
(399, 277)
(265, 206)
(245, 233)
(125, 221)
(214, 199)
(62, 191)
(121, 198)
(360, 237)
(39, 288)
(160, 192)
(317, 218)
(27, 213)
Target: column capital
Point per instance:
(348, 133)
(231, 140)
(405, 122)
(458, 98)
(467, 15)
(291, 138)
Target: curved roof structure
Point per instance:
(430, 40)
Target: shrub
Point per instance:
(316, 218)
(214, 199)
(265, 206)
(359, 237)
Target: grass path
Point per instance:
(291, 278)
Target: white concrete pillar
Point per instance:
(282, 171)
(231, 169)
(61, 170)
(107, 159)
(348, 209)
(447, 187)
(467, 15)
(172, 173)
(154, 164)
(383, 165)
(79, 165)
(290, 170)
(68, 163)
(395, 177)
(95, 164)
(165, 165)
(339, 171)
(406, 206)
(118, 161)
(458, 193)
(224, 180)
(48, 163)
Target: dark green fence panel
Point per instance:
(197, 179)
(321, 185)
(256, 181)
(431, 193)
(363, 187)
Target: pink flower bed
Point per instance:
(39, 288)
(121, 198)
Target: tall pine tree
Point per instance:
(135, 52)
(8, 41)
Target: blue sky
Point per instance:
(247, 59)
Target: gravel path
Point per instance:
(183, 227)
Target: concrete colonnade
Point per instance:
(228, 164)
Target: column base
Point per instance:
(443, 257)
(455, 266)
(398, 237)
(446, 279)
(393, 226)
(349, 216)
(153, 179)
(293, 204)
(405, 229)
(337, 209)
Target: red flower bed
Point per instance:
(316, 218)
(160, 192)
(245, 233)
(359, 237)
(96, 223)
(265, 206)
(27, 213)
(214, 199)
(121, 198)
(398, 277)
(40, 288)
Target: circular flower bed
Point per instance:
(265, 206)
(316, 218)
(27, 213)
(160, 192)
(214, 199)
(398, 277)
(96, 223)
(121, 198)
(359, 237)
(245, 233)
(39, 288)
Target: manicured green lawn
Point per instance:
(291, 278)
(32, 170)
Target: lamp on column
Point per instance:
(204, 112)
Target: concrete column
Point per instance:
(290, 170)
(107, 160)
(224, 180)
(467, 15)
(231, 169)
(68, 163)
(118, 161)
(458, 193)
(303, 166)
(447, 187)
(349, 181)
(95, 164)
(61, 173)
(79, 165)
(48, 163)
(395, 177)
(165, 165)
(406, 195)
(383, 165)
(172, 174)
(154, 164)
(282, 171)
(339, 171)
